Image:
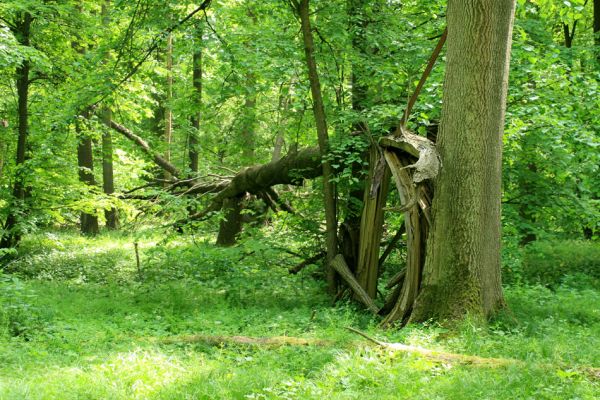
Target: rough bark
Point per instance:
(323, 138)
(12, 233)
(462, 270)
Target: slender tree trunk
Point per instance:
(284, 101)
(323, 138)
(12, 232)
(569, 34)
(168, 107)
(248, 123)
(108, 183)
(197, 84)
(462, 269)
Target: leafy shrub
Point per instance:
(17, 316)
(512, 261)
(550, 262)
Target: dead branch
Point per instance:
(157, 158)
(339, 264)
(299, 267)
(391, 245)
(454, 358)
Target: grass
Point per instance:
(80, 323)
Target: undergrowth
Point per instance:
(79, 319)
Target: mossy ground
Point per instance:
(81, 323)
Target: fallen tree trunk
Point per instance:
(290, 170)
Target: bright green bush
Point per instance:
(550, 262)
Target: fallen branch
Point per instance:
(339, 264)
(272, 342)
(157, 158)
(299, 267)
(391, 245)
(445, 357)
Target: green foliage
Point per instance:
(551, 262)
(18, 317)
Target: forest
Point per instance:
(296, 199)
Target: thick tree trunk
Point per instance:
(323, 137)
(12, 233)
(231, 225)
(462, 269)
(197, 84)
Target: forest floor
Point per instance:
(81, 322)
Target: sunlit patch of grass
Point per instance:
(100, 338)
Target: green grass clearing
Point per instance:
(80, 325)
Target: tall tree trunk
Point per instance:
(323, 138)
(85, 162)
(284, 102)
(249, 121)
(108, 181)
(12, 233)
(168, 106)
(597, 28)
(197, 84)
(462, 268)
(368, 227)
